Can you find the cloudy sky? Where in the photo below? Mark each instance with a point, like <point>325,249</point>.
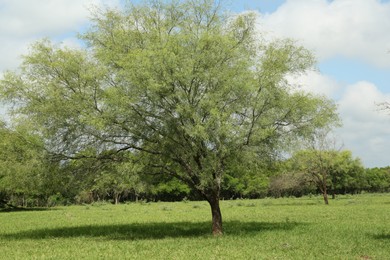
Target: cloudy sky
<point>351,39</point>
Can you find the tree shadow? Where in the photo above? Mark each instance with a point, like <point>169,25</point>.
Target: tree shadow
<point>309,203</point>
<point>384,236</point>
<point>18,209</point>
<point>141,231</point>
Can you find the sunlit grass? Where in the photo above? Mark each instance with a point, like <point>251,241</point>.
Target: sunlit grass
<point>351,227</point>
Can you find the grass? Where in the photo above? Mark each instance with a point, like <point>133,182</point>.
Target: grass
<point>351,227</point>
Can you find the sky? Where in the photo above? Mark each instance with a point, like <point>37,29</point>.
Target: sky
<point>350,38</point>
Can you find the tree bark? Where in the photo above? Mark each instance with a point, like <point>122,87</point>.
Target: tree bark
<point>216,216</point>
<point>325,195</point>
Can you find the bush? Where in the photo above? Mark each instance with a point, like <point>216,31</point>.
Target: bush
<point>84,197</point>
<point>290,184</point>
<point>57,200</point>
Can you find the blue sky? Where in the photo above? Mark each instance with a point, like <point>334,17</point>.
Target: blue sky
<point>350,39</point>
<point>264,6</point>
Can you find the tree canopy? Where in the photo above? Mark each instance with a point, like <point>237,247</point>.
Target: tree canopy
<point>190,89</point>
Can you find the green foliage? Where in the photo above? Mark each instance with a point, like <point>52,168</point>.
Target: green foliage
<point>118,180</point>
<point>23,166</point>
<point>378,179</point>
<point>109,178</point>
<point>331,170</point>
<point>171,190</point>
<point>246,180</point>
<point>348,174</point>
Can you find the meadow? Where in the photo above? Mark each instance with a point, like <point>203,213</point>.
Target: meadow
<point>351,227</point>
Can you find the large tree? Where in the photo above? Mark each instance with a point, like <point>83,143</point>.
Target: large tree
<point>185,85</point>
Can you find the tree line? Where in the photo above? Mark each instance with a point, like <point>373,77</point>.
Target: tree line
<point>29,176</point>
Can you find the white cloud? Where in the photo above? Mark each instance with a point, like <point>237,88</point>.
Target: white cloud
<point>10,51</point>
<point>365,129</point>
<point>28,18</point>
<point>354,29</point>
<point>351,28</point>
<point>71,43</point>
<point>24,21</point>
<point>315,82</point>
<point>360,102</point>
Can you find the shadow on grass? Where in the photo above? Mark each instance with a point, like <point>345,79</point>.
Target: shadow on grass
<point>385,236</point>
<point>18,209</point>
<point>140,231</point>
<point>303,203</point>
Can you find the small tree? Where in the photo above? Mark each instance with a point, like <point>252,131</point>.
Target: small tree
<point>318,160</point>
<point>318,164</point>
<point>179,81</point>
<point>330,169</point>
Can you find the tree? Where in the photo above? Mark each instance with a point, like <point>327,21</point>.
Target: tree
<point>118,180</point>
<point>329,168</point>
<point>318,160</point>
<point>347,175</point>
<point>22,163</point>
<point>187,86</point>
<point>319,164</point>
<point>378,179</point>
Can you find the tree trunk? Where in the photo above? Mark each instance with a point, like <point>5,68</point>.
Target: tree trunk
<point>216,216</point>
<point>117,197</point>
<point>325,194</point>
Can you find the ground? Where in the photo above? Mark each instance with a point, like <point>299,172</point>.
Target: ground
<point>351,227</point>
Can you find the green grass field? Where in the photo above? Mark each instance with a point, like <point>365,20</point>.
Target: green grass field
<point>351,227</point>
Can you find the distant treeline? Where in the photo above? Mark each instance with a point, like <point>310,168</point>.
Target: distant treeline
<point>78,185</point>
<point>30,176</point>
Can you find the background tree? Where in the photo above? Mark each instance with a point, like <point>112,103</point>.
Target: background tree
<point>23,164</point>
<point>378,179</point>
<point>118,180</point>
<point>318,160</point>
<point>347,174</point>
<point>247,176</point>
<point>331,170</point>
<point>318,164</point>
<point>178,81</point>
